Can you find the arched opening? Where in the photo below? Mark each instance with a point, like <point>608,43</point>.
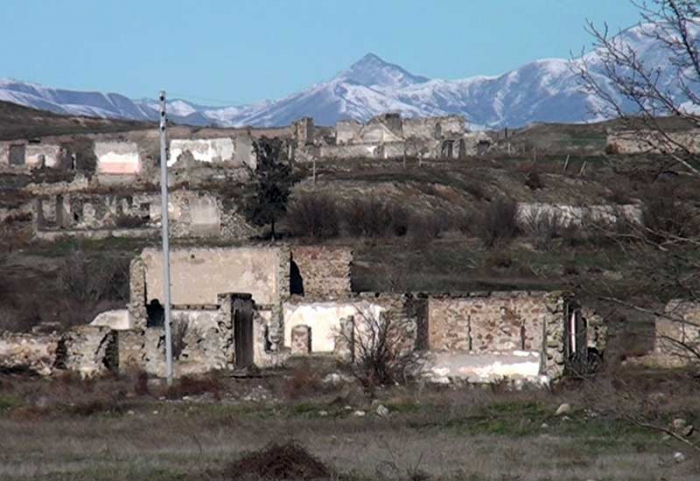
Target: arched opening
<point>156,314</point>
<point>296,282</point>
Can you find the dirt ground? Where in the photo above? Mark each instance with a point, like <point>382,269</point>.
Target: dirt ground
<point>129,428</point>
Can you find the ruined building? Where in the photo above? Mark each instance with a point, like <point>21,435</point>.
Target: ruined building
<point>259,305</point>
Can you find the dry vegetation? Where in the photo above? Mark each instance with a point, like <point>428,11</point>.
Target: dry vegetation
<point>129,428</point>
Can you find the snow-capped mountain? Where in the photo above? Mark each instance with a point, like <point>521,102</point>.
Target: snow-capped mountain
<point>546,90</point>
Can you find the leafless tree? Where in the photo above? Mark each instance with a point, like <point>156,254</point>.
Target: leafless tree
<point>652,102</point>
<point>382,349</point>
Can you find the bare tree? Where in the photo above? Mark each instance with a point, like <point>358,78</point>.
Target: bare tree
<point>638,93</point>
<point>653,103</point>
<point>382,349</point>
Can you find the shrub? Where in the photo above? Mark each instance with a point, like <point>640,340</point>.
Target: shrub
<point>369,218</point>
<point>534,181</point>
<point>314,215</point>
<point>544,226</point>
<point>498,222</point>
<point>498,259</point>
<point>303,381</point>
<point>380,353</point>
<point>665,217</point>
<point>125,221</point>
<point>399,220</point>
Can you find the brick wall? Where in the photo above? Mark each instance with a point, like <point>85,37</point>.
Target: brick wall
<point>325,271</point>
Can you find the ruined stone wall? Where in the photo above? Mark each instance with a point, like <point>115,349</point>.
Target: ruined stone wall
<point>501,322</point>
<point>347,131</point>
<point>191,214</point>
<point>433,128</point>
<point>678,334</point>
<point>491,322</point>
<point>32,352</point>
<point>121,158</point>
<point>636,142</point>
<point>203,150</point>
<point>198,275</point>
<point>326,320</point>
<point>529,213</point>
<point>325,270</point>
<point>21,154</point>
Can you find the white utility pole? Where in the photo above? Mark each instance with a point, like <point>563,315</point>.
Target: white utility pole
<point>166,246</point>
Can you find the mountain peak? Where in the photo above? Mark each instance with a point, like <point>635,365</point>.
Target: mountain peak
<point>372,71</point>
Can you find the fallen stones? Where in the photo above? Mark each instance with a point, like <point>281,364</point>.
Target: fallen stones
<point>564,408</point>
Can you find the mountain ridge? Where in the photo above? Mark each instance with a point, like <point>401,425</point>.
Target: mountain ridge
<point>544,90</point>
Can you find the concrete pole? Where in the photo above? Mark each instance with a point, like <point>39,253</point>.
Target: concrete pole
<point>166,246</point>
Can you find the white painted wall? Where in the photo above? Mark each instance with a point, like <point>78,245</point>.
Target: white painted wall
<point>117,319</point>
<point>203,150</point>
<point>117,158</point>
<point>324,320</point>
<point>485,368</point>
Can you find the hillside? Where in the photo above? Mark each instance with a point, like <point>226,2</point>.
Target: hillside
<point>17,121</point>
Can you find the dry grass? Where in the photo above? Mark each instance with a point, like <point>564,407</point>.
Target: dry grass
<point>452,434</point>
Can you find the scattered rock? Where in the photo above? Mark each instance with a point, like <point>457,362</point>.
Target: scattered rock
<point>348,408</point>
<point>665,437</point>
<point>130,413</point>
<point>679,423</point>
<point>688,431</point>
<point>544,425</point>
<point>563,409</point>
<point>155,412</point>
<point>678,457</point>
<point>323,413</point>
<point>382,411</point>
<point>359,413</point>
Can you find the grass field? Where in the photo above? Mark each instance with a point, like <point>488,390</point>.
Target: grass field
<point>112,429</point>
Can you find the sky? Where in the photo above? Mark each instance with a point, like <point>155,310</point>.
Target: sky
<point>228,52</point>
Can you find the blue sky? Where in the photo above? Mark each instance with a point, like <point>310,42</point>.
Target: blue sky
<point>239,51</point>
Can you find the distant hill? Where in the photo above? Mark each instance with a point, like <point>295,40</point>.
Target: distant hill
<point>17,122</point>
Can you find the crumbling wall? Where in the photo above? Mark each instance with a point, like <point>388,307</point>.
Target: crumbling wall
<point>347,131</point>
<point>639,142</point>
<point>89,350</point>
<point>324,320</point>
<point>203,150</point>
<point>245,153</point>
<point>678,334</point>
<point>324,270</point>
<point>578,215</point>
<point>29,155</point>
<point>121,158</point>
<point>191,214</point>
<point>200,274</point>
<point>28,352</point>
<point>304,131</point>
<point>495,322</point>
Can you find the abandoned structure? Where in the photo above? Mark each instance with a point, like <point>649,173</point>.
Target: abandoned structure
<point>262,304</point>
<point>388,136</point>
<point>649,142</point>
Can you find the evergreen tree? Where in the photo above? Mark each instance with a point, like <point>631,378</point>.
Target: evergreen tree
<point>273,183</point>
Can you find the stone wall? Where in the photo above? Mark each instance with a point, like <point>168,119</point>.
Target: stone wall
<point>500,322</point>
<point>529,213</point>
<point>495,322</point>
<point>28,352</point>
<point>638,142</point>
<point>122,158</point>
<point>191,214</point>
<point>22,154</point>
<point>199,275</point>
<point>203,150</point>
<point>324,271</point>
<point>678,334</point>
